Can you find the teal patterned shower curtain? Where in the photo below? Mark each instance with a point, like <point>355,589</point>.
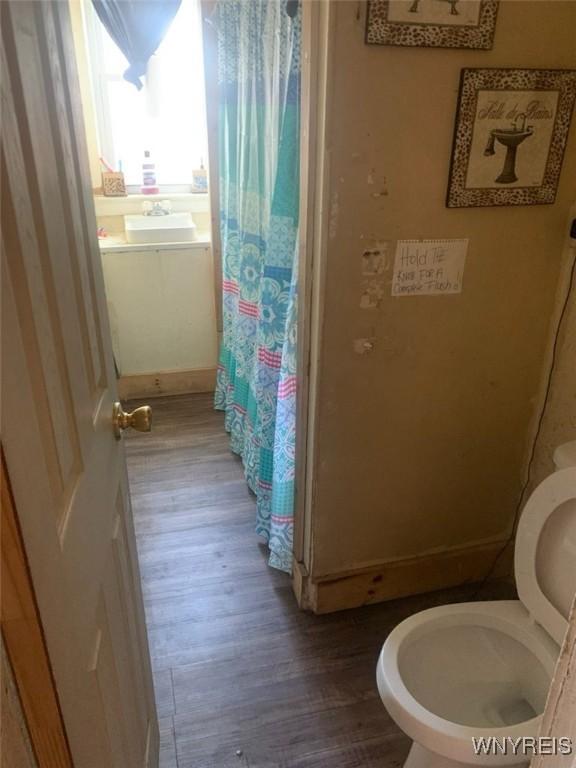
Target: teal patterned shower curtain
<point>259,123</point>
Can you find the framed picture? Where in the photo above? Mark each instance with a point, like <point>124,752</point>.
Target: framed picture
<point>432,23</point>
<point>509,137</point>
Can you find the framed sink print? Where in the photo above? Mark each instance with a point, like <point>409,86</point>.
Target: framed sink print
<point>432,23</point>
<point>510,134</point>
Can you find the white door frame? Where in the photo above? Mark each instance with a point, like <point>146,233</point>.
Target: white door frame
<point>317,33</point>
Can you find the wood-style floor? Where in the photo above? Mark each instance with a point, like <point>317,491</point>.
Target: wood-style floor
<point>244,679</point>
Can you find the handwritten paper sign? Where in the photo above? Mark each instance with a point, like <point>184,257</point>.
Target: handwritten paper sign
<point>428,267</point>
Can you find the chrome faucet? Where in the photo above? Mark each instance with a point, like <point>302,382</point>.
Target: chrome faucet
<point>156,208</point>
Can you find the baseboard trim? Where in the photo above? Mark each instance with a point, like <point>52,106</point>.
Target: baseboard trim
<point>300,581</point>
<point>416,575</point>
<point>167,383</point>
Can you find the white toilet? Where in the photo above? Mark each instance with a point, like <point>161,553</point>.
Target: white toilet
<point>483,669</point>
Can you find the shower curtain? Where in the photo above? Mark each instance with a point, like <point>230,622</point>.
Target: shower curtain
<point>259,121</point>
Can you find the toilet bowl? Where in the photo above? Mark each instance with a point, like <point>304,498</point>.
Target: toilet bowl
<point>481,671</point>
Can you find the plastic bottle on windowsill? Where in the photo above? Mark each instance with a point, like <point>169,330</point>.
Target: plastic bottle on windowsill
<point>200,178</point>
<point>149,186</point>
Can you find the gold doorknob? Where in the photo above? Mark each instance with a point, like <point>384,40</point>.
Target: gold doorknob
<point>139,418</point>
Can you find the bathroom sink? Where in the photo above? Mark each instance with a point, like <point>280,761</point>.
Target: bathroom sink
<point>172,228</point>
<point>511,137</point>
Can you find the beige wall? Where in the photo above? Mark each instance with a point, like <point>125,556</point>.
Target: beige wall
<point>559,421</point>
<point>422,443</point>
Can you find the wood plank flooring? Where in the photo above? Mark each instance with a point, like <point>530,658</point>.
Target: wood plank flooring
<point>244,679</point>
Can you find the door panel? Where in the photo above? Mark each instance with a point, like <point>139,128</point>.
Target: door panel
<point>67,469</point>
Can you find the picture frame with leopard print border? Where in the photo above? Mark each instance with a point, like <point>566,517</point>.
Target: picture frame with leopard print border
<point>432,23</point>
<point>510,133</point>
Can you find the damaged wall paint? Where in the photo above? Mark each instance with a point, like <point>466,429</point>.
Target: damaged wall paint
<point>375,262</point>
<point>424,438</point>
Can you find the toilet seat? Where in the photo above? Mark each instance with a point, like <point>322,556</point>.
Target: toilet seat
<point>456,672</point>
<point>545,560</point>
<point>454,740</point>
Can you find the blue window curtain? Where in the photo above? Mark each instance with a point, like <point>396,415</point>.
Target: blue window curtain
<point>259,125</point>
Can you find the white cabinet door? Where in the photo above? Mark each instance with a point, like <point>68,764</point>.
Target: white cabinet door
<point>162,309</point>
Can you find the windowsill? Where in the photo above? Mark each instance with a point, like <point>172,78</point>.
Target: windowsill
<point>195,202</point>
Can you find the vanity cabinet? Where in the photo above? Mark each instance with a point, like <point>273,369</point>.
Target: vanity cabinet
<point>162,309</point>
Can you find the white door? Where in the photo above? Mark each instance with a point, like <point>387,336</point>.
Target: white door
<point>66,466</point>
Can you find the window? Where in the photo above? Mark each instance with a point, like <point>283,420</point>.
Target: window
<point>167,116</point>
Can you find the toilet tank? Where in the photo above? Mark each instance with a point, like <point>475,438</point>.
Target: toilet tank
<point>565,455</point>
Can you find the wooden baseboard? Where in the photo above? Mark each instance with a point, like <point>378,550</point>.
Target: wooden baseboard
<point>388,581</point>
<point>167,383</point>
<point>300,581</point>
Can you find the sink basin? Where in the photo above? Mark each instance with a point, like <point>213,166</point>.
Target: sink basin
<point>511,137</point>
<point>172,228</point>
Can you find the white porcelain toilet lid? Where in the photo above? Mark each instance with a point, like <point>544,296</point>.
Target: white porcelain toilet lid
<point>545,557</point>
